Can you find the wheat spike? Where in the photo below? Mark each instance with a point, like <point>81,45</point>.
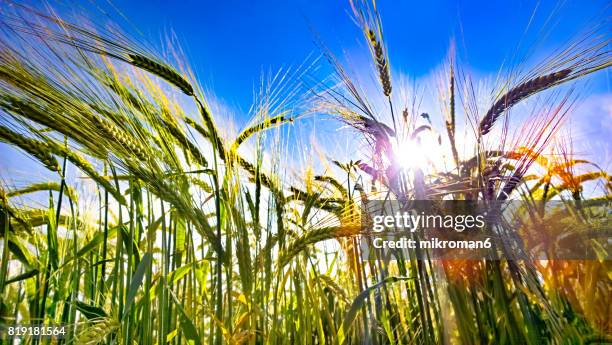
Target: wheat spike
<point>314,236</point>
<point>86,168</point>
<point>176,132</point>
<point>163,72</point>
<point>519,93</point>
<point>451,121</point>
<point>169,194</point>
<point>42,186</point>
<point>120,137</point>
<point>267,123</point>
<point>381,63</point>
<point>35,148</point>
<point>97,332</point>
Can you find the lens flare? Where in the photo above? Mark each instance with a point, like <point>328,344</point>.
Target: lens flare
<point>410,155</point>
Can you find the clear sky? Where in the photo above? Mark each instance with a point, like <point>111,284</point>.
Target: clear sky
<point>229,42</point>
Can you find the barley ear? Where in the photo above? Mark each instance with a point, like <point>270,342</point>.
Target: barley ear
<point>97,331</point>
<point>37,149</point>
<point>162,71</point>
<point>519,93</point>
<point>120,137</point>
<point>83,165</point>
<point>265,124</point>
<point>451,121</point>
<point>314,236</point>
<point>381,62</point>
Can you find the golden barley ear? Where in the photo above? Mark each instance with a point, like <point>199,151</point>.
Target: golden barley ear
<point>519,93</point>
<point>37,149</point>
<point>182,139</point>
<point>381,63</point>
<point>451,121</point>
<point>96,331</point>
<point>82,164</point>
<point>163,72</point>
<point>265,124</point>
<point>43,186</point>
<point>121,137</point>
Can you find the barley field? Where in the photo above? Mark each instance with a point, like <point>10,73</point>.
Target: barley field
<point>153,218</point>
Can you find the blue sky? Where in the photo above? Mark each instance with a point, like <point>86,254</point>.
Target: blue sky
<point>229,42</point>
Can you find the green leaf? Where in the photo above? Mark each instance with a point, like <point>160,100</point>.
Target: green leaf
<point>52,224</point>
<point>136,282</point>
<point>179,273</point>
<point>20,277</point>
<point>5,252</point>
<point>20,251</point>
<point>358,303</point>
<point>181,235</point>
<point>95,242</point>
<point>187,327</point>
<point>91,245</point>
<point>129,241</point>
<point>90,311</point>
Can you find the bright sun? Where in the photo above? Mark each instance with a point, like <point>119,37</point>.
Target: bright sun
<point>410,155</point>
<point>424,153</point>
